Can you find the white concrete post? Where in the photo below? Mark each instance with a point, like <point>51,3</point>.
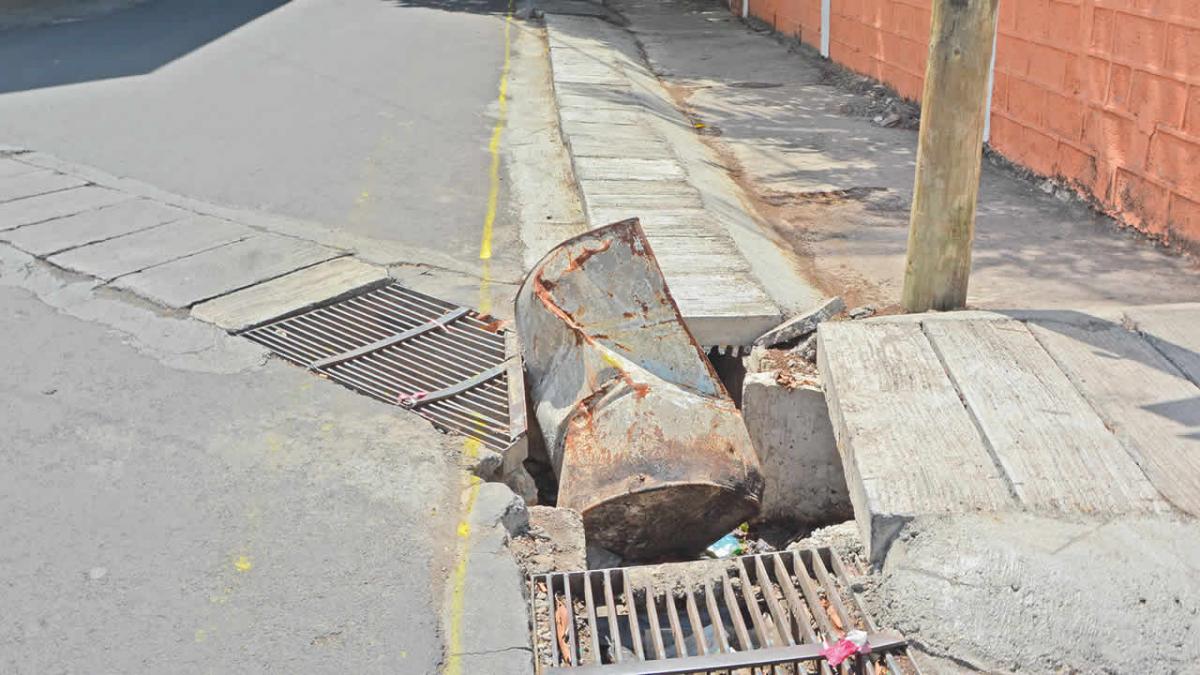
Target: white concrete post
<point>825,28</point>
<point>745,8</point>
<point>987,120</point>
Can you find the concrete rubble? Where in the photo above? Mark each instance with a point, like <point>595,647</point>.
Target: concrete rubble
<point>553,541</point>
<point>802,325</point>
<point>790,430</point>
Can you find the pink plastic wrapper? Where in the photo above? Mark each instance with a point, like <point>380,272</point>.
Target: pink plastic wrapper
<point>855,642</point>
<point>407,400</point>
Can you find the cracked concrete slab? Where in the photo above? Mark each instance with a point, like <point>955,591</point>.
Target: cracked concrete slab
<point>81,229</point>
<point>56,205</point>
<point>224,269</point>
<point>289,294</point>
<point>37,183</point>
<point>141,250</point>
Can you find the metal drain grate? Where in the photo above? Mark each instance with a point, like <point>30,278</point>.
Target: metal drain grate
<point>445,362</point>
<point>765,613</point>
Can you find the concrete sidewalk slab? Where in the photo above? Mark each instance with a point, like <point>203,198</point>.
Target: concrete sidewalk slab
<point>909,448</point>
<point>837,187</point>
<point>224,269</point>
<point>37,183</point>
<point>134,252</point>
<point>11,167</point>
<point>90,227</point>
<point>289,294</point>
<point>40,208</point>
<point>1069,414</point>
<point>626,130</point>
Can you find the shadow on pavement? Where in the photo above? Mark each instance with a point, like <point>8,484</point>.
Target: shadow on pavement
<point>129,42</point>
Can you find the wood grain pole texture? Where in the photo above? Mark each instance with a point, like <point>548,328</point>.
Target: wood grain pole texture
<point>949,151</point>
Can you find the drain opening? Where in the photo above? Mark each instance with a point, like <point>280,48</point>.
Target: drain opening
<point>766,613</point>
<point>447,363</point>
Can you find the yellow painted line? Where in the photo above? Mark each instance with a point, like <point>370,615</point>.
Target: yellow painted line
<point>458,577</point>
<point>485,247</point>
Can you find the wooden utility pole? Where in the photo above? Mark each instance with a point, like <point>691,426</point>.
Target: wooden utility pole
<point>953,112</point>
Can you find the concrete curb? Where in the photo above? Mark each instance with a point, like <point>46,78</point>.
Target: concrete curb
<point>486,608</point>
<point>376,251</point>
<point>625,167</point>
<point>636,153</point>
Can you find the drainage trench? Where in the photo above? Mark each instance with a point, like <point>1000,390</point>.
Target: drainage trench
<point>680,569</point>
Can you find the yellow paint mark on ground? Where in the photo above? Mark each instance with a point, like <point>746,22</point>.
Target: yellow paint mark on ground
<point>201,635</point>
<point>327,427</point>
<point>458,584</point>
<point>242,564</point>
<point>458,577</point>
<point>489,220</point>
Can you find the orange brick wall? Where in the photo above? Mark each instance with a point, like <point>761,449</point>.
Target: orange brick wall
<point>1102,93</point>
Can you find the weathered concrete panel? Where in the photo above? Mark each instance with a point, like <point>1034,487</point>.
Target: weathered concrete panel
<point>1056,452</point>
<point>1151,406</point>
<point>289,294</point>
<point>38,183</point>
<point>93,226</point>
<point>794,440</point>
<point>908,446</point>
<point>155,246</point>
<point>56,205</point>
<point>225,269</point>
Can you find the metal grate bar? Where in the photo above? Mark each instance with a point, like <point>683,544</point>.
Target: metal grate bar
<point>463,386</point>
<point>660,622</point>
<point>447,363</point>
<point>388,341</point>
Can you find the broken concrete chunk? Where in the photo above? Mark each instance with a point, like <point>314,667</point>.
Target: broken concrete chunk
<point>752,362</point>
<point>496,504</point>
<point>807,348</point>
<point>554,541</point>
<point>794,440</point>
<point>802,325</point>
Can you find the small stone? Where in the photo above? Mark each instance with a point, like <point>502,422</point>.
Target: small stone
<point>50,392</point>
<point>891,120</point>
<point>752,362</point>
<point>1063,195</point>
<point>1047,186</point>
<point>862,312</point>
<point>807,349</point>
<point>97,573</point>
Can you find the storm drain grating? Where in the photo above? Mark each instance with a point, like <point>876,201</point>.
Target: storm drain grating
<point>765,613</point>
<point>446,362</point>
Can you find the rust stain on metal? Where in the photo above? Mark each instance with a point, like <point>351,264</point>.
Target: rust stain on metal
<point>645,440</point>
<point>578,261</point>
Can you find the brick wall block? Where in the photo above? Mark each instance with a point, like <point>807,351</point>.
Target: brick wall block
<point>1175,160</point>
<point>1139,40</point>
<point>1142,202</point>
<point>1183,220</point>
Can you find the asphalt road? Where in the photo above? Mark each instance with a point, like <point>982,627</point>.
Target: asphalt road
<point>160,518</point>
<point>178,507</point>
<point>372,115</point>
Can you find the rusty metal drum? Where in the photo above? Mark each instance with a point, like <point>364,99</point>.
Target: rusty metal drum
<point>645,441</point>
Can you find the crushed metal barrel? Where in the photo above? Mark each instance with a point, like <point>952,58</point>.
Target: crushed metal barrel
<point>642,435</point>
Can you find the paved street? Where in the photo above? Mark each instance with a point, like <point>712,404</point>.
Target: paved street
<point>178,502</point>
<point>368,114</point>
<point>174,506</point>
